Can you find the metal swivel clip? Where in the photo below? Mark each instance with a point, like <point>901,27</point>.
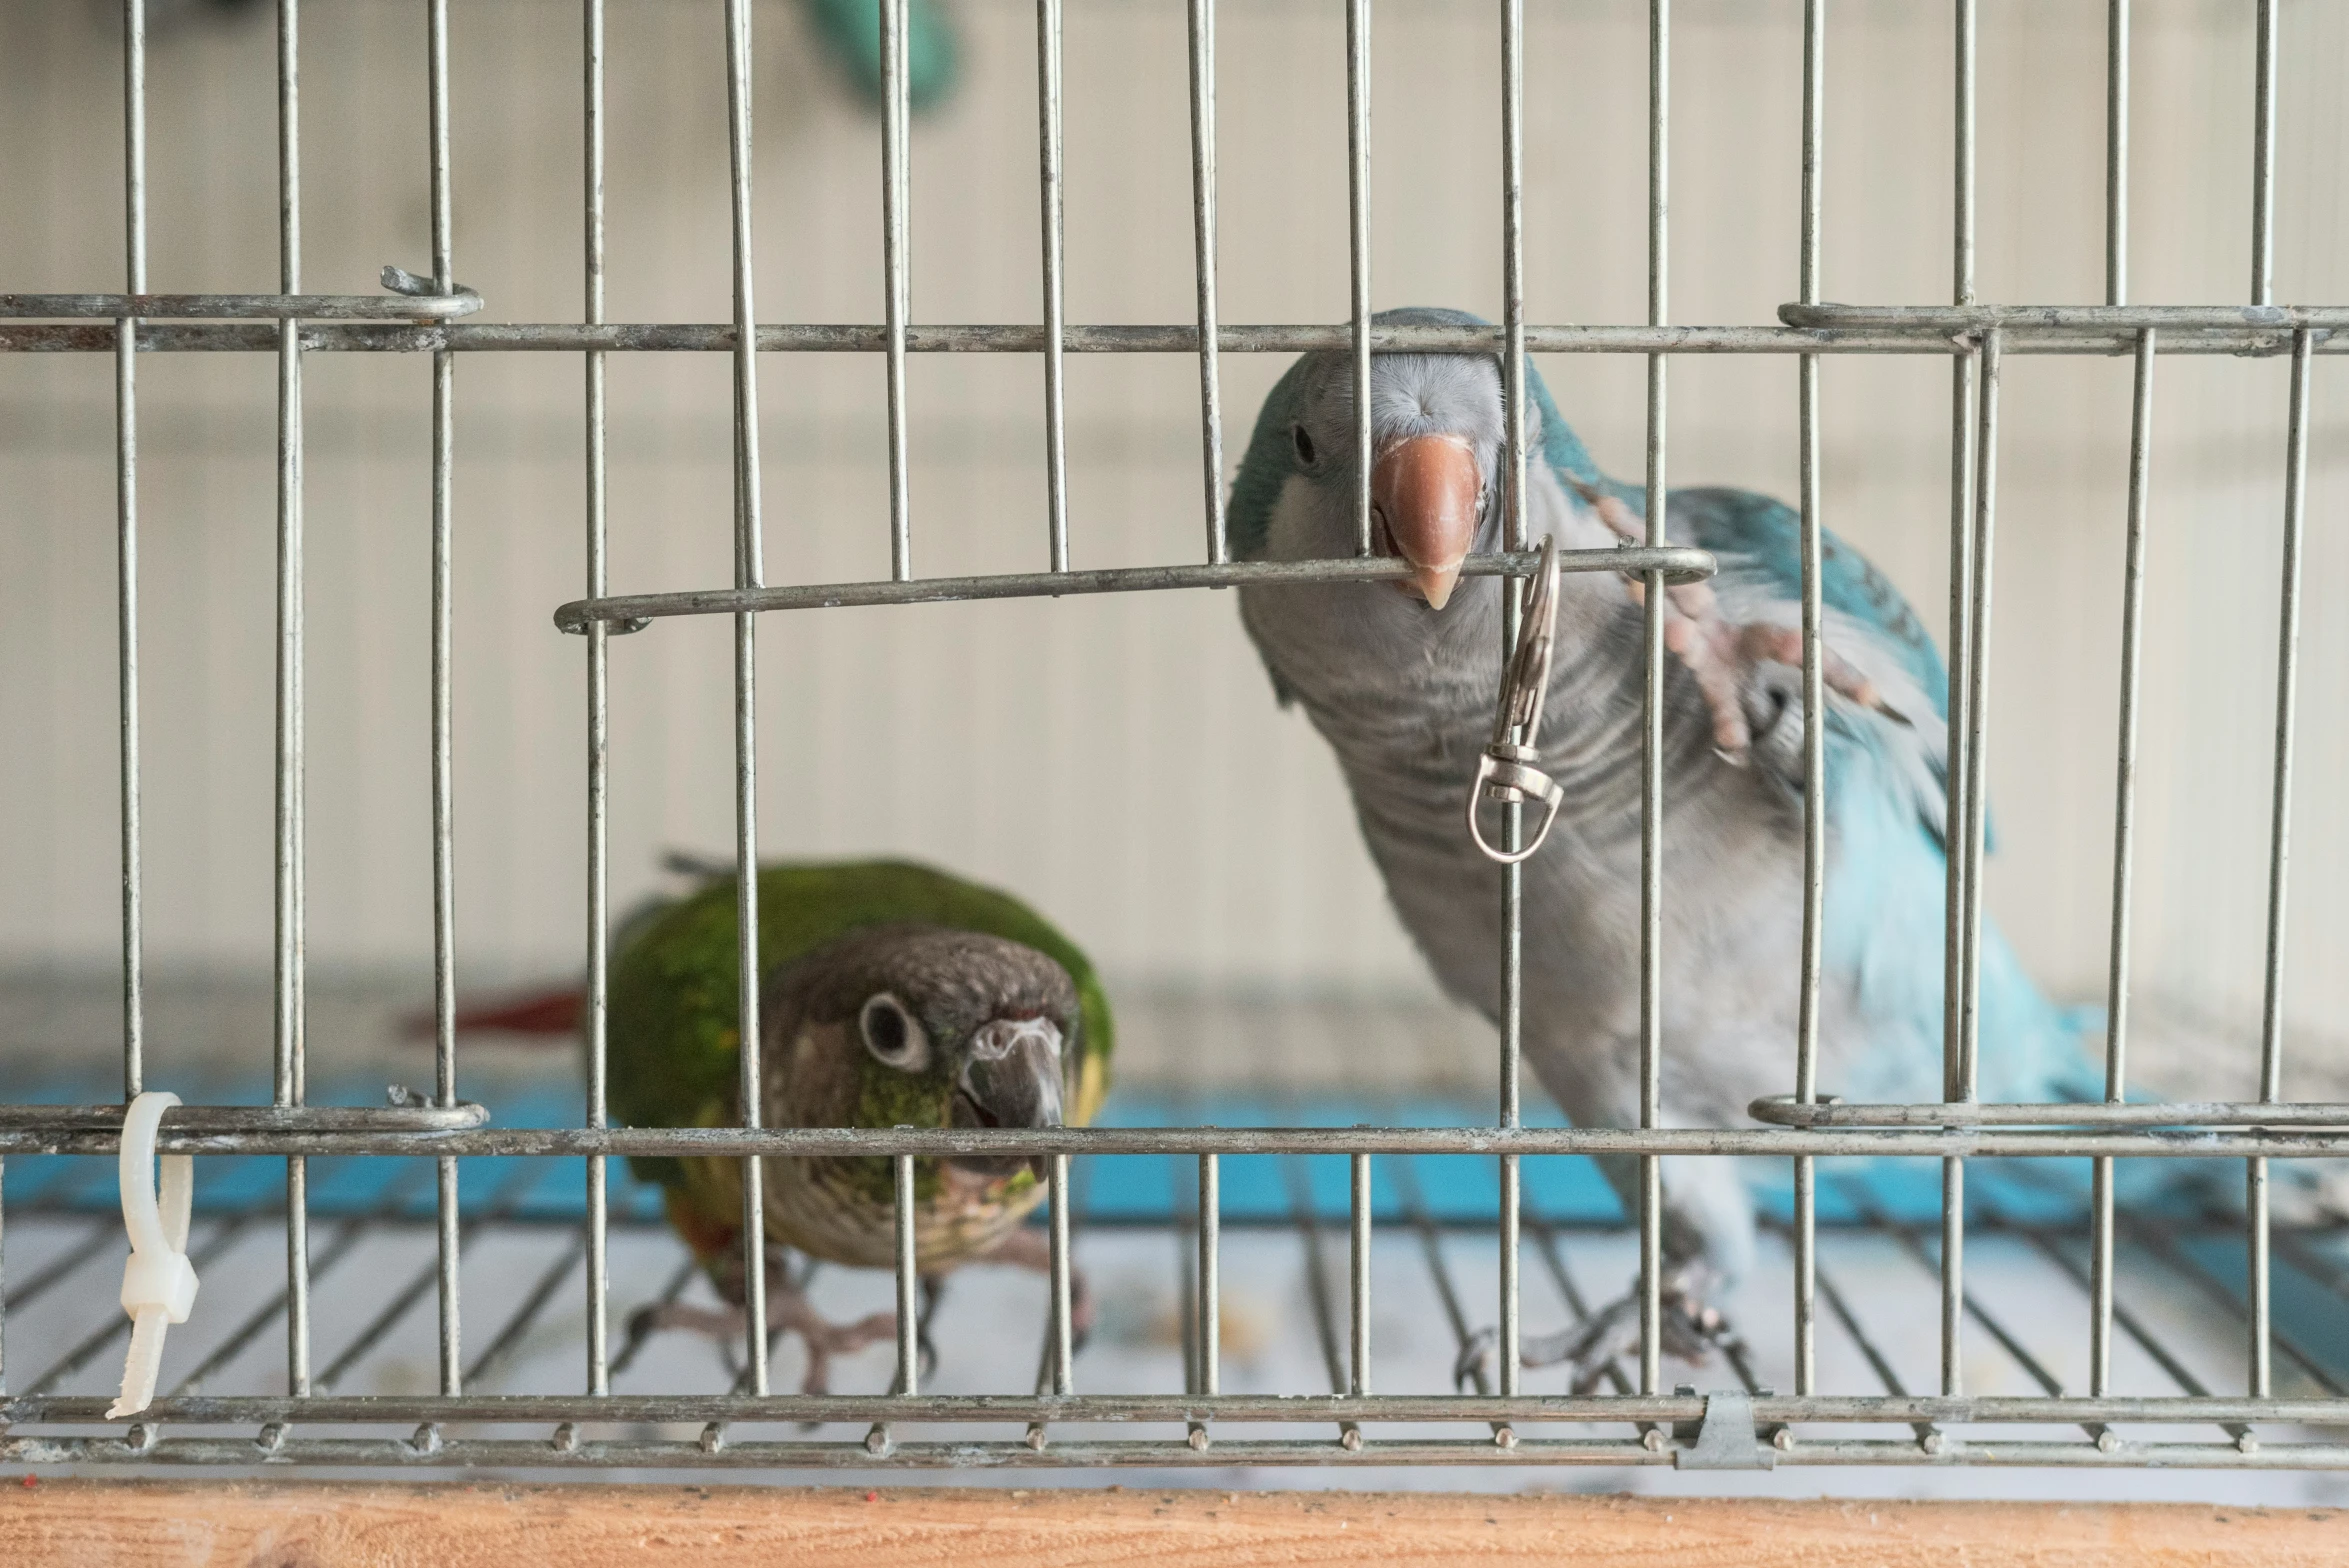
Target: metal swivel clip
<point>1510,772</point>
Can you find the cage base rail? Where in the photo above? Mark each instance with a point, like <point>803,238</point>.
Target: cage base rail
<point>1767,1409</point>
<point>437,1450</point>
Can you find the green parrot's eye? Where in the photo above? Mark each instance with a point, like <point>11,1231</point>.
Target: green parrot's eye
<point>893,1035</point>
<point>1304,440</point>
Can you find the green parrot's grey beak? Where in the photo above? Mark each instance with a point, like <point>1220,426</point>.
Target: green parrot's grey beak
<point>1010,1078</point>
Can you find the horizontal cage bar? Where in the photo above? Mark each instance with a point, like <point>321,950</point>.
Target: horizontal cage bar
<point>250,1118</point>
<point>2067,318</point>
<point>281,307</point>
<point>1784,1111</point>
<point>740,1142</point>
<point>1177,338</point>
<point>1678,565</point>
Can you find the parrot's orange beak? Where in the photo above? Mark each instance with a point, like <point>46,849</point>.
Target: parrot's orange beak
<point>1423,499</point>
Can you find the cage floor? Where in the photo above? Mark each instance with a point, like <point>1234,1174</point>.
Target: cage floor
<point>1434,1278</point>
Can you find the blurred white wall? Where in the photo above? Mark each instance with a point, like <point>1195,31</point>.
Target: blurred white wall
<point>1119,759</point>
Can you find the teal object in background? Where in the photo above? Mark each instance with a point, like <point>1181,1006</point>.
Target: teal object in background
<point>850,31</point>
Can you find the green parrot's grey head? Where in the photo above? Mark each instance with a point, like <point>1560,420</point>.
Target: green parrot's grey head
<point>919,1025</point>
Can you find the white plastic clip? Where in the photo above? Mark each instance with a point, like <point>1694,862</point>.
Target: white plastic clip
<point>158,1282</point>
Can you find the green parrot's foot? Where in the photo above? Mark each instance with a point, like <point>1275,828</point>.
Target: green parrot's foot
<point>788,1310</point>
<point>1027,1248</point>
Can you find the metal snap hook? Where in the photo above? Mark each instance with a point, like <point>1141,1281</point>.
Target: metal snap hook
<point>1509,771</point>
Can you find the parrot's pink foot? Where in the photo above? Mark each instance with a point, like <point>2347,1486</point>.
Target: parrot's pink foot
<point>788,1309</point>
<point>1723,654</point>
<point>1028,1248</point>
<point>1690,1332</point>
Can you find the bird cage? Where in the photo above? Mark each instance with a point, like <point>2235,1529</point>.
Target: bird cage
<point>1491,1226</point>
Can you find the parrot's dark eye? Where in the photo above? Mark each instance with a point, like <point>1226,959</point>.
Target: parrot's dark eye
<point>1304,440</point>
<point>893,1035</point>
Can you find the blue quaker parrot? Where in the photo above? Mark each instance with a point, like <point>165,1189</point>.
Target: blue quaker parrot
<point>1401,680</point>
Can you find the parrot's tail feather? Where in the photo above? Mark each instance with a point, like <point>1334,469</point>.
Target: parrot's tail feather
<point>685,863</point>
<point>2080,1077</point>
<point>2084,1018</point>
<point>540,1013</point>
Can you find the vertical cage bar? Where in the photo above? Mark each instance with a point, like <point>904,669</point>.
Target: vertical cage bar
<point>1219,549</point>
<point>2271,1022</point>
<point>1806,1071</point>
<point>1965,374</point>
<point>2116,1040</point>
<point>1358,1205</point>
<point>1651,889</point>
<point>2263,159</point>
<point>1210,1314</point>
<point>1953,1198</point>
<point>2116,155</point>
<point>1358,250</point>
<point>444,887</point>
<point>290,933</point>
<point>748,569</point>
<point>1064,1379</point>
<point>909,1323</point>
<point>893,266</point>
<point>126,501</point>
<point>1515,531</point>
<point>595,1019</point>
<point>1048,180</point>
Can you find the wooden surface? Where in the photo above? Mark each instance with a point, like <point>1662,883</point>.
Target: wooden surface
<point>292,1524</point>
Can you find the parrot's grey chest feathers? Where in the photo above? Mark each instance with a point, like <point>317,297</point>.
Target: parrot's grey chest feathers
<point>1405,698</point>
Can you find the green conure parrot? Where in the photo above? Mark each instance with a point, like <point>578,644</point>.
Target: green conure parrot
<point>892,995</point>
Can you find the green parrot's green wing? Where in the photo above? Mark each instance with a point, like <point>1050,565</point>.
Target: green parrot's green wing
<point>673,1045</point>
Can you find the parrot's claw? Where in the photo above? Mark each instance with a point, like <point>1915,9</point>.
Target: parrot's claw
<point>926,1352</point>
<point>1690,1331</point>
<point>1474,1365</point>
<point>1723,654</point>
<point>787,1309</point>
<point>824,1340</point>
<point>1026,1248</point>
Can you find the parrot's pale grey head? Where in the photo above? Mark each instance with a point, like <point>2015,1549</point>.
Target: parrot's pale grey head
<point>1438,432</point>
<point>924,1026</point>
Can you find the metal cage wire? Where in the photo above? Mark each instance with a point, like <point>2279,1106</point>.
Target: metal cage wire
<point>424,315</point>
